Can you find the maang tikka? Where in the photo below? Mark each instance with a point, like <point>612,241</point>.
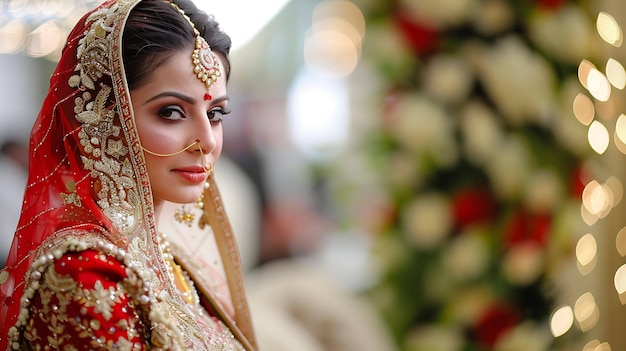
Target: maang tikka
<point>206,68</point>
<point>206,65</point>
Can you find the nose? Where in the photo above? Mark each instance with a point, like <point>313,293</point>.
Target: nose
<point>206,142</point>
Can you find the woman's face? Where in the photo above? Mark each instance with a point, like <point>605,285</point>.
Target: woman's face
<point>171,113</point>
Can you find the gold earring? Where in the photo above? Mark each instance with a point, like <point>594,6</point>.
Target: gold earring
<point>187,217</point>
<point>200,202</point>
<point>204,220</point>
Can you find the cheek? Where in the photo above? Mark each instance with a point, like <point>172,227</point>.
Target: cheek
<point>155,169</point>
<point>155,138</point>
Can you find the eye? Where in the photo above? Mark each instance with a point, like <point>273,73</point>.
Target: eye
<point>217,114</point>
<point>172,113</point>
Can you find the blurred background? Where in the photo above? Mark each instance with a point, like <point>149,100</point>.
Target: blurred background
<point>402,174</point>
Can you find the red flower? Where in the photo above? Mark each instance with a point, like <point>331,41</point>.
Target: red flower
<point>494,323</point>
<point>422,38</point>
<point>528,227</point>
<point>550,5</point>
<point>578,183</point>
<point>471,206</point>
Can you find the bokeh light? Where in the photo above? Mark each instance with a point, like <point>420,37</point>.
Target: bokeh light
<point>620,242</point>
<point>583,72</point>
<point>615,73</point>
<point>586,312</point>
<point>561,321</point>
<point>583,109</point>
<point>586,253</point>
<point>332,46</point>
<point>598,85</point>
<point>620,283</point>
<point>609,29</point>
<point>598,137</point>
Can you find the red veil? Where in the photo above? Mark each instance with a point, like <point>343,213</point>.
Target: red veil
<point>88,185</point>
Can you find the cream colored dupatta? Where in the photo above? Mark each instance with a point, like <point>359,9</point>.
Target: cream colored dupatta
<point>210,255</point>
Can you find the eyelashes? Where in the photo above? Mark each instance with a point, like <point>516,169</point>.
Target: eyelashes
<point>218,114</point>
<point>177,113</point>
<point>172,113</point>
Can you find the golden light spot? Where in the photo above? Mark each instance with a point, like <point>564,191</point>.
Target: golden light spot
<point>620,283</point>
<point>561,321</point>
<point>615,73</point>
<point>586,253</point>
<point>583,109</point>
<point>331,54</point>
<point>595,345</point>
<point>13,37</point>
<point>332,47</point>
<point>45,40</point>
<point>620,242</point>
<point>591,345</point>
<point>589,218</point>
<point>617,190</point>
<point>619,144</point>
<point>598,137</point>
<point>598,85</point>
<point>620,128</point>
<point>594,197</point>
<point>586,312</point>
<point>609,29</point>
<point>583,72</point>
<point>341,9</point>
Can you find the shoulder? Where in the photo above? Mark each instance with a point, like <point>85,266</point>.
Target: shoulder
<point>89,266</point>
<point>85,298</point>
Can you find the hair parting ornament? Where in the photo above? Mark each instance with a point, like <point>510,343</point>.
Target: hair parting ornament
<point>205,62</point>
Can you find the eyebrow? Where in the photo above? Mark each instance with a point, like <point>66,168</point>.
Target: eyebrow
<point>184,97</point>
<point>180,96</point>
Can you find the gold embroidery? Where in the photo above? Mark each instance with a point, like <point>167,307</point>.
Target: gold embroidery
<point>72,197</point>
<point>105,156</point>
<point>102,300</point>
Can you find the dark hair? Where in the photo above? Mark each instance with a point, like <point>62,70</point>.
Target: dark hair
<point>155,30</point>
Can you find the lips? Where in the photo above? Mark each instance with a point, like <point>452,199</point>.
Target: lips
<point>192,174</point>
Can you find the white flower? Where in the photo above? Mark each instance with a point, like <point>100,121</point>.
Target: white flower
<point>544,191</point>
<point>524,337</point>
<point>467,305</point>
<point>509,168</point>
<point>466,257</point>
<point>402,170</point>
<point>441,13</point>
<point>434,338</point>
<point>567,34</point>
<point>428,220</point>
<point>493,16</point>
<point>389,253</point>
<point>519,81</point>
<point>523,263</point>
<point>424,128</point>
<point>481,133</point>
<point>385,38</point>
<point>448,79</point>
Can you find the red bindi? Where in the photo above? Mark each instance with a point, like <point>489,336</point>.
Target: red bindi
<point>207,97</point>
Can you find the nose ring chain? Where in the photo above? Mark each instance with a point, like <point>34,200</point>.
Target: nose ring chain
<point>207,168</point>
